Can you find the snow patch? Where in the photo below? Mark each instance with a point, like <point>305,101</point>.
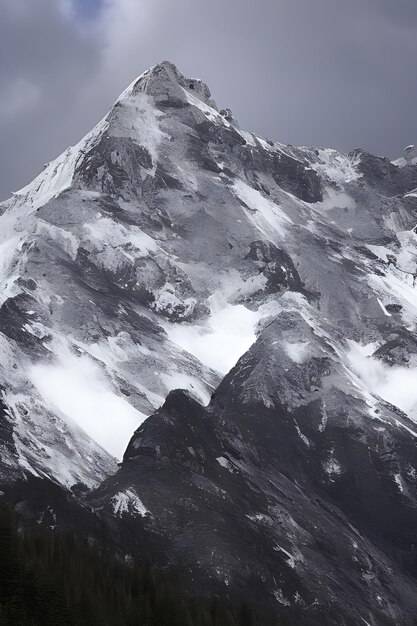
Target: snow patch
<point>380,251</point>
<point>332,467</point>
<point>250,138</point>
<point>340,168</point>
<point>62,452</point>
<point>128,503</point>
<point>279,597</point>
<point>292,559</point>
<point>383,308</point>
<point>407,257</point>
<point>221,460</point>
<point>303,438</point>
<point>166,301</point>
<point>260,517</point>
<point>209,112</point>
<point>397,287</point>
<point>228,333</point>
<point>399,482</point>
<point>106,232</point>
<point>63,238</point>
<point>264,214</point>
<point>137,118</point>
<point>8,250</point>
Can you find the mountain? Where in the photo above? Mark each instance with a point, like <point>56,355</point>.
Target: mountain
<point>238,317</point>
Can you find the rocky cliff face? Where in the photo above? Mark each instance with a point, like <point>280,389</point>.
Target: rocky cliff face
<point>167,248</point>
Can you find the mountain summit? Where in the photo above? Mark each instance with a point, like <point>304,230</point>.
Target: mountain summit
<point>234,320</point>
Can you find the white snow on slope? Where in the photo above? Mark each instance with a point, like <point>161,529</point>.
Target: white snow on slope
<point>137,118</point>
<point>78,389</point>
<point>105,232</point>
<point>62,451</point>
<point>382,252</point>
<point>292,559</point>
<point>407,257</point>
<point>64,239</point>
<point>397,287</point>
<point>221,460</point>
<point>208,111</point>
<point>264,214</point>
<point>409,157</point>
<point>58,175</point>
<point>383,308</point>
<point>8,250</point>
<point>16,224</point>
<point>338,167</point>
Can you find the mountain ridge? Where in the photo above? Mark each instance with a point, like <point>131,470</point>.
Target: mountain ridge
<point>276,285</point>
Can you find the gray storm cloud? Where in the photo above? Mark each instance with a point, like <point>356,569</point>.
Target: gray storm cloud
<point>322,72</point>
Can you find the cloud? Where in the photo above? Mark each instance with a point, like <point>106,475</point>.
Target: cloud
<point>397,385</point>
<point>78,389</point>
<point>19,96</point>
<point>402,13</point>
<point>44,64</point>
<point>228,333</point>
<point>14,8</point>
<point>80,10</point>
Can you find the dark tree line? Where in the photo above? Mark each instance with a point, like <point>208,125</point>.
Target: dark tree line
<point>52,578</point>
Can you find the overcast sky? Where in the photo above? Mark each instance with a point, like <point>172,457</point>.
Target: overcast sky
<point>339,73</point>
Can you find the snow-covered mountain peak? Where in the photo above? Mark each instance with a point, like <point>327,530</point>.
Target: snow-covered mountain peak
<point>147,255</point>
<point>164,79</point>
<point>169,248</point>
<point>135,114</point>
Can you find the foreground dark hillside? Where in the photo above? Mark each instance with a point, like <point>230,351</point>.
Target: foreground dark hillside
<point>50,577</point>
